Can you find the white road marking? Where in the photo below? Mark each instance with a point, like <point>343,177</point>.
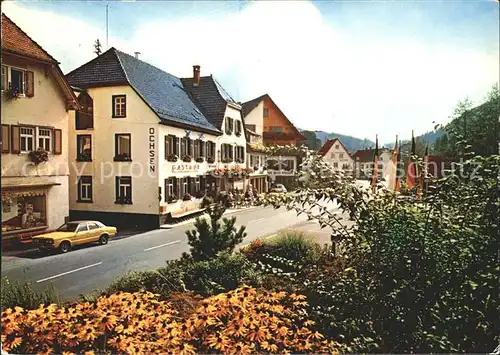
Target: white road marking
<point>162,245</point>
<point>256,220</point>
<point>69,272</point>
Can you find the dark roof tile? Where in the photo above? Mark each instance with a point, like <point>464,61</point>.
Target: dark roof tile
<point>163,92</point>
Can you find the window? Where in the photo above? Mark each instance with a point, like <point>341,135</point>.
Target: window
<point>171,146</point>
<point>171,192</point>
<point>341,155</point>
<point>85,189</point>
<point>251,127</point>
<point>336,146</point>
<point>119,106</point>
<point>197,184</point>
<point>123,190</point>
<point>276,129</point>
<point>4,77</point>
<point>45,138</point>
<point>93,225</point>
<point>82,227</point>
<point>27,139</point>
<point>184,186</point>
<point>240,154</point>
<point>122,147</point>
<point>22,211</point>
<point>84,119</point>
<point>84,147</point>
<point>227,153</point>
<point>210,146</point>
<point>332,155</point>
<point>229,125</point>
<point>238,128</point>
<point>266,112</point>
<point>335,165</point>
<point>201,149</point>
<point>17,80</point>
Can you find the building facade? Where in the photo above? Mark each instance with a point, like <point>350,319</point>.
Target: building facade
<point>142,148</point>
<point>266,119</point>
<point>36,100</point>
<point>363,162</point>
<point>335,153</point>
<point>224,113</point>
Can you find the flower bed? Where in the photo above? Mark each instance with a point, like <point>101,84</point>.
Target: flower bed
<point>242,321</point>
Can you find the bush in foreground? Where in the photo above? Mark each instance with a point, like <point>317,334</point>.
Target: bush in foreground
<point>242,321</point>
<point>22,294</point>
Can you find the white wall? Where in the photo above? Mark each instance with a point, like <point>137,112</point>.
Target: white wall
<point>333,156</point>
<point>255,117</point>
<point>140,122</point>
<point>232,138</point>
<point>165,168</point>
<point>46,108</point>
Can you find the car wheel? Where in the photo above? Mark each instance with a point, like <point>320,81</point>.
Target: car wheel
<point>104,239</point>
<point>64,247</point>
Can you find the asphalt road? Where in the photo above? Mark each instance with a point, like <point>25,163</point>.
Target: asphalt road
<point>94,267</point>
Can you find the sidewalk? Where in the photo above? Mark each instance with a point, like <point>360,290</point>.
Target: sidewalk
<point>228,211</point>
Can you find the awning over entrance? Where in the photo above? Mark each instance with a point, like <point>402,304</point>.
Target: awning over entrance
<point>22,188</point>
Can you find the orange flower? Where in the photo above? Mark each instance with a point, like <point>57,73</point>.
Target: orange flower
<point>186,349</point>
<point>272,348</point>
<point>218,342</point>
<point>11,341</point>
<point>240,348</point>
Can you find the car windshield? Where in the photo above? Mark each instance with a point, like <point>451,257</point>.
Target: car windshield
<point>68,227</point>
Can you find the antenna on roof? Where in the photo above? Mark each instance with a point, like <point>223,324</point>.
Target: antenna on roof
<point>107,46</point>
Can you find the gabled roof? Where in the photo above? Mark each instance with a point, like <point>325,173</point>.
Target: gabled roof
<point>250,105</point>
<point>211,98</point>
<point>329,144</point>
<point>366,155</point>
<point>16,41</point>
<point>161,91</point>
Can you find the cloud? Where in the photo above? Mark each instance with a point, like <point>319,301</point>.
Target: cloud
<point>322,76</point>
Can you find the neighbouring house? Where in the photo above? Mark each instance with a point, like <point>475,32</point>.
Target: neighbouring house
<point>335,153</point>
<point>223,112</point>
<point>36,100</point>
<point>256,161</point>
<point>267,120</point>
<point>142,148</point>
<point>363,162</point>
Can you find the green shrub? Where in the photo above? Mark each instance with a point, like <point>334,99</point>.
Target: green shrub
<point>294,245</point>
<point>206,202</point>
<point>211,236</point>
<point>22,294</point>
<point>224,272</point>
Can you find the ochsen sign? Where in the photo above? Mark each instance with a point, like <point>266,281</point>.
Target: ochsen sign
<point>151,150</point>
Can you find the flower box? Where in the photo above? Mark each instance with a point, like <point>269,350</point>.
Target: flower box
<point>172,158</point>
<point>186,158</point>
<point>210,160</point>
<point>122,157</point>
<point>38,156</point>
<point>200,160</point>
<point>123,201</point>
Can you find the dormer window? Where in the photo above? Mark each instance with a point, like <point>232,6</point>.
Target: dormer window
<point>19,81</point>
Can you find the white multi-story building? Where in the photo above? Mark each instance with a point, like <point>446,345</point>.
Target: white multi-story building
<point>144,151</point>
<point>335,153</point>
<point>224,113</point>
<point>35,102</point>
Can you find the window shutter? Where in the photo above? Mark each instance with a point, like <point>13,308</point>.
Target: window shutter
<point>196,152</point>
<point>124,106</point>
<point>202,149</point>
<point>15,139</point>
<point>57,141</point>
<point>166,147</point>
<point>183,146</point>
<point>5,138</point>
<point>30,84</point>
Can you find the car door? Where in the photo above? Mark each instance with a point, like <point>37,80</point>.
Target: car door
<point>94,232</point>
<point>82,234</point>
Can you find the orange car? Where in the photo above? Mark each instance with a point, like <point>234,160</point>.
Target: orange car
<point>74,233</point>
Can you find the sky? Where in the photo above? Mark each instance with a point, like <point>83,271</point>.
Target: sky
<point>359,68</point>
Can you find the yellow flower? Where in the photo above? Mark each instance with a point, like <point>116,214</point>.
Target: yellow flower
<point>218,342</point>
<point>11,341</point>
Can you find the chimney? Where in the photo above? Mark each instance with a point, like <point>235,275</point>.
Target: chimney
<point>137,55</point>
<point>196,75</point>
